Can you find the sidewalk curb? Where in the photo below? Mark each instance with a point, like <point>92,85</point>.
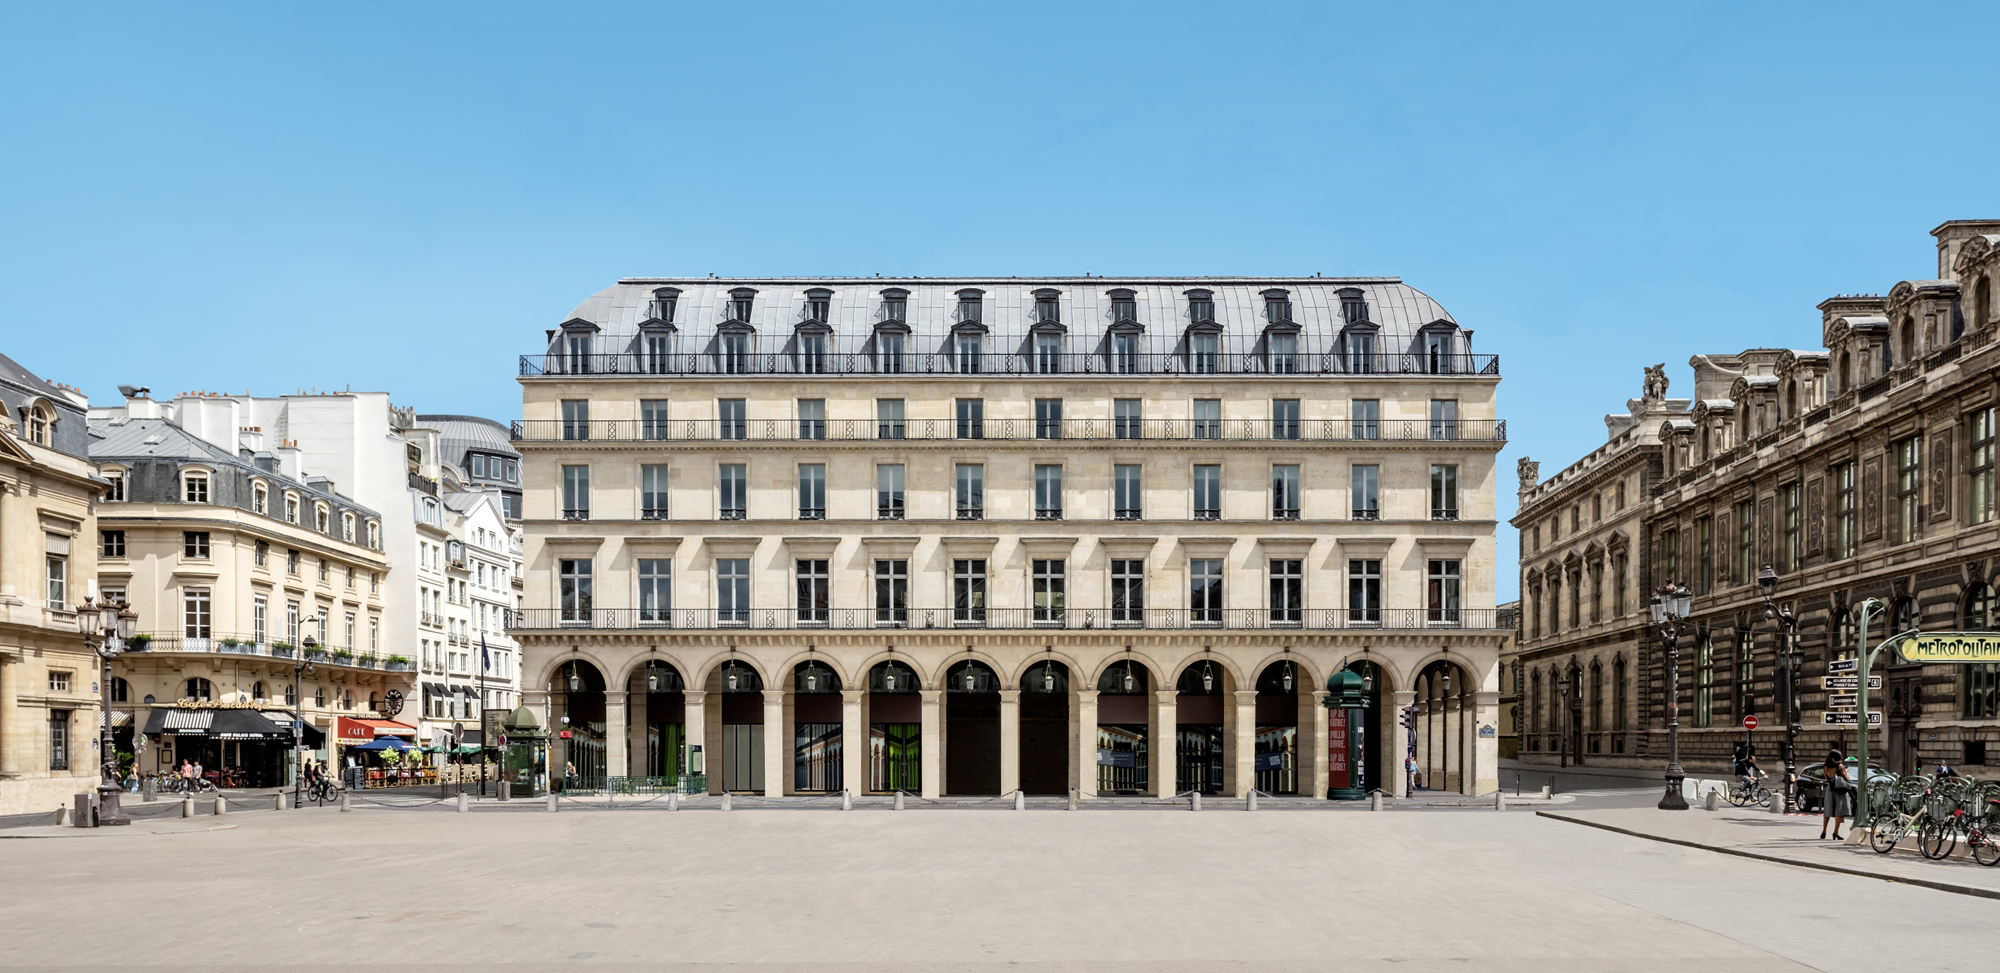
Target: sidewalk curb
<point>1740,853</point>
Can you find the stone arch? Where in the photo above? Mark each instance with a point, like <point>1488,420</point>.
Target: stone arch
<point>1309,678</point>
<point>1232,673</point>
<point>867,665</point>
<point>636,666</point>
<point>1013,679</point>
<point>545,678</point>
<point>935,678</point>
<point>714,664</point>
<point>1409,676</point>
<point>785,669</point>
<point>1153,671</point>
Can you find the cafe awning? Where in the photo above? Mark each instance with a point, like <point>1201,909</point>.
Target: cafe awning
<point>193,722</point>
<point>388,728</point>
<point>247,724</point>
<point>383,743</point>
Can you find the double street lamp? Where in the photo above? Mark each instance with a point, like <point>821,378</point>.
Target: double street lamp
<point>1788,680</point>
<point>1671,605</point>
<point>302,666</point>
<point>112,625</point>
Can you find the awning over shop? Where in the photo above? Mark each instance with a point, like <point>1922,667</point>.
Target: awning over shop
<point>383,743</point>
<point>352,731</point>
<point>120,717</point>
<point>193,722</point>
<point>247,724</point>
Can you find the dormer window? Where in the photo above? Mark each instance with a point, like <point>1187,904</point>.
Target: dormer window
<point>291,508</point>
<point>1205,352</point>
<point>966,345</point>
<point>574,353</point>
<point>347,528</point>
<point>374,535</point>
<point>735,352</point>
<point>1124,307</point>
<point>1125,353</point>
<point>194,487</point>
<point>1282,352</point>
<point>1438,351</point>
<point>1277,307</point>
<point>971,306</point>
<point>741,302</point>
<point>1353,305</point>
<point>41,424</point>
<point>665,301</point>
<point>1048,353</point>
<point>320,518</point>
<point>260,500</point>
<point>817,303</point>
<point>812,353</point>
<point>1201,307</point>
<point>116,491</point>
<point>895,305</point>
<point>1048,308</point>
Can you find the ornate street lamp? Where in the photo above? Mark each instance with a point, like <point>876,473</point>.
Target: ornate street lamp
<point>112,625</point>
<point>1671,605</point>
<point>300,668</point>
<point>1788,680</point>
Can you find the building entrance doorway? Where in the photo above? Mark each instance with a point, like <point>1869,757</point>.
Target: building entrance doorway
<point>743,729</point>
<point>972,729</point>
<point>1045,747</point>
<point>895,730</point>
<point>1124,713</point>
<point>1277,761</point>
<point>1198,764</point>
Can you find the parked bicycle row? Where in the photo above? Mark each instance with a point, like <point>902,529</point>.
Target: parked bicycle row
<point>1938,812</point>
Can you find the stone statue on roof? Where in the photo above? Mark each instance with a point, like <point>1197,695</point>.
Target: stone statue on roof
<point>1655,389</point>
<point>1529,471</point>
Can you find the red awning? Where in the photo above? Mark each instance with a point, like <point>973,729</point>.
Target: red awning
<point>352,730</point>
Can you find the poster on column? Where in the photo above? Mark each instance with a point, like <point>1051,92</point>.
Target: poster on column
<point>1338,767</point>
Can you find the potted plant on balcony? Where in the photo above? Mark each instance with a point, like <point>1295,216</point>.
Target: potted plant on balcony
<point>232,644</point>
<point>282,650</point>
<point>399,663</point>
<point>137,643</point>
<point>316,654</point>
<point>343,656</point>
<point>366,660</point>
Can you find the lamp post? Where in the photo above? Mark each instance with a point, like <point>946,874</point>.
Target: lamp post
<point>300,667</point>
<point>1671,605</point>
<point>112,625</point>
<point>1562,718</point>
<point>1788,680</point>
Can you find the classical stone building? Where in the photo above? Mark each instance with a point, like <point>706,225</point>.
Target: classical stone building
<point>974,536</point>
<point>50,710</point>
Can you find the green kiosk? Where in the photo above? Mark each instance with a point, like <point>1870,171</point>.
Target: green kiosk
<point>1346,697</point>
<point>524,754</point>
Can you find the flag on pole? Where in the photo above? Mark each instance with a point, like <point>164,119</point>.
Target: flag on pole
<point>485,661</point>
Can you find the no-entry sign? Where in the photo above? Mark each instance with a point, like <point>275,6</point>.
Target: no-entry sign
<point>1749,722</point>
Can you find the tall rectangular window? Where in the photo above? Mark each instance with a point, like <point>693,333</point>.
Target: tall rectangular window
<point>1126,415</point>
<point>1283,352</point>
<point>1444,418</point>
<point>576,419</point>
<point>1048,578</point>
<point>576,492</point>
<point>1287,591</point>
<point>1127,494</point>
<point>652,423</point>
<point>1746,677</point>
<point>733,495</point>
<point>735,354</point>
<point>653,492</point>
<point>1843,510</point>
<point>196,614</point>
<point>1909,487</point>
<point>1284,418</point>
<point>889,491</point>
<point>888,418</point>
<point>59,739</point>
<point>1444,493</point>
<point>573,576</point>
<point>1284,492</point>
<point>1617,585</point>
<point>1048,419</point>
<point>1208,418</point>
<point>1205,591</point>
<point>968,590</point>
<point>812,418</point>
<point>1208,492</point>
<point>971,419</point>
<point>1364,487</point>
<point>892,591</point>
<point>1365,419</point>
<point>1128,590</point>
<point>1048,492</point>
<point>1205,350</point>
<point>116,491</point>
<point>1790,549</point>
<point>292,622</point>
<point>732,590</point>
<point>1704,686</point>
<point>656,589</point>
<point>1704,542</point>
<point>110,543</point>
<point>1048,353</point>
<point>260,619</point>
<point>1442,592</point>
<point>812,491</point>
<point>1746,542</point>
<point>1125,354</point>
<point>812,353</point>
<point>1979,465</point>
<point>971,491</point>
<point>814,591</point>
<point>731,419</point>
<point>968,354</point>
<point>889,352</point>
<point>1364,592</point>
<point>1670,555</point>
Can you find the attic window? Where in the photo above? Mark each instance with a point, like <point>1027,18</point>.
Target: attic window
<point>1353,305</point>
<point>194,488</point>
<point>895,305</point>
<point>971,306</point>
<point>1124,307</point>
<point>817,301</point>
<point>1277,307</point>
<point>741,302</point>
<point>41,424</point>
<point>1048,309</point>
<point>1201,307</point>
<point>665,301</point>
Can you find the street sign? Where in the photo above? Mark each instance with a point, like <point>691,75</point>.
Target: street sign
<point>1841,665</point>
<point>1841,700</point>
<point>1952,647</point>
<point>1847,719</point>
<point>1850,682</point>
<point>1750,722</point>
<point>565,734</point>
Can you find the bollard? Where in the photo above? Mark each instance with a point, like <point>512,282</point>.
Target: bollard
<point>846,799</point>
<point>1377,806</point>
<point>725,800</point>
<point>552,803</point>
<point>1251,804</point>
<point>674,801</point>
<point>221,804</point>
<point>506,790</point>
<point>899,800</point>
<point>1778,804</point>
<point>149,790</point>
<point>464,804</point>
<point>63,816</point>
<point>1545,792</point>
<point>187,807</point>
<point>1712,801</point>
<point>1195,804</point>
<point>1072,799</point>
<point>283,800</point>
<point>1020,800</point>
<point>1499,800</point>
<point>343,802</point>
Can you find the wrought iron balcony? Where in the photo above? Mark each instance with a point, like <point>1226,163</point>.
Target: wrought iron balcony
<point>1481,431</point>
<point>698,619</point>
<point>988,364</point>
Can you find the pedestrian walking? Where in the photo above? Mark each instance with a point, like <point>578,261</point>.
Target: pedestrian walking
<point>1837,794</point>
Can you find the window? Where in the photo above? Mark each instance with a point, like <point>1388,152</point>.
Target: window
<point>653,492</point>
<point>971,491</point>
<point>1618,503</point>
<point>1704,539</point>
<point>58,681</point>
<point>291,561</point>
<point>1366,421</point>
<point>194,544</point>
<point>814,591</point>
<point>969,306</point>
<point>971,419</point>
<point>1048,353</point>
<point>319,697</point>
<point>1979,434</point>
<point>348,630</point>
<point>1048,589</point>
<point>1125,354</point>
<point>1909,487</point>
<point>1618,563</point>
<point>1442,591</point>
<point>1365,489</point>
<point>576,492</point>
<point>1205,591</point>
<point>895,305</point>
<point>1287,591</point>
<point>1360,351</point>
<point>1704,686</point>
<point>1283,352</point>
<point>730,423</point>
<point>320,522</point>
<point>375,529</point>
<point>347,527</point>
<point>1201,307</point>
<point>322,569</point>
<point>1124,306</point>
<point>1048,419</point>
<point>58,739</point>
<point>1596,570</point>
<point>889,349</point>
<point>812,353</point>
<point>1364,592</point>
<point>812,491</point>
<point>1843,510</point>
<point>374,582</point>
<point>967,357</point>
<point>1128,590</point>
<point>892,591</point>
<point>1048,492</point>
<point>575,419</point>
<point>656,589</point>
<point>732,590</point>
<point>741,303</point>
<point>1746,542</point>
<point>1208,418</point>
<point>1284,418</point>
<point>110,543</point>
<point>889,418</point>
<point>479,466</point>
<point>1127,496</point>
<point>1789,547</point>
<point>812,418</point>
<point>732,501</point>
<point>291,508</point>
<point>116,491</point>
<point>889,491</point>
<point>1208,492</point>
<point>574,578</point>
<point>1353,306</point>
<point>292,622</point>
<point>195,613</point>
<point>1444,418</point>
<point>1284,492</point>
<point>968,590</point>
<point>652,423</point>
<point>1444,493</point>
<point>1205,353</point>
<point>1277,307</point>
<point>260,618</point>
<point>1746,675</point>
<point>194,488</point>
<point>1125,417</point>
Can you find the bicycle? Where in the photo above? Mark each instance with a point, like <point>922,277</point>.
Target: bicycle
<point>1742,794</point>
<point>320,790</point>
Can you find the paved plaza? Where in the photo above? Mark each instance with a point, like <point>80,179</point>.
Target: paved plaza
<point>928,889</point>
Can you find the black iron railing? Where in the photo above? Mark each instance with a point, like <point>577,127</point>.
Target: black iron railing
<point>531,619</point>
<point>787,430</point>
<point>990,363</point>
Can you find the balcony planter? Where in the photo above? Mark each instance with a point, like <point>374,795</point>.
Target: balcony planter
<point>315,655</point>
<point>343,657</point>
<point>138,643</point>
<point>282,650</point>
<point>398,663</point>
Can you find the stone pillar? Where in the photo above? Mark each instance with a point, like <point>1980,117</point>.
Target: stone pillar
<point>1010,740</point>
<point>931,759</point>
<point>1485,749</point>
<point>853,742</point>
<point>1085,715</point>
<point>777,744</point>
<point>1398,740</point>
<point>616,735</point>
<point>1243,767</point>
<point>694,730</point>
<point>635,707</point>
<point>10,713</point>
<point>1314,773</point>
<point>1164,742</point>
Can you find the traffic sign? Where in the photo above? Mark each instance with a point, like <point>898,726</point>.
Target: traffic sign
<point>1750,722</point>
<point>1849,682</point>
<point>1847,719</point>
<point>1841,665</point>
<point>565,734</point>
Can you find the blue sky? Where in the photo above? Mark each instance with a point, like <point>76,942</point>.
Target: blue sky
<point>402,196</point>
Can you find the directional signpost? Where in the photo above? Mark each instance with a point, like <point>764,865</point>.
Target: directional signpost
<point>1850,682</point>
<point>1841,665</point>
<point>1847,718</point>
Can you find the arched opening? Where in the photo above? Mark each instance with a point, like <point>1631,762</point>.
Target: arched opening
<point>579,709</point>
<point>1905,616</point>
<point>1200,730</point>
<point>1276,763</point>
<point>658,702</point>
<point>1370,758</point>
<point>816,729</point>
<point>1982,302</point>
<point>1045,743</point>
<point>742,726</point>
<point>1124,719</point>
<point>895,729</point>
<point>971,729</point>
<point>1441,751</point>
<point>1909,340</point>
<point>1978,613</point>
